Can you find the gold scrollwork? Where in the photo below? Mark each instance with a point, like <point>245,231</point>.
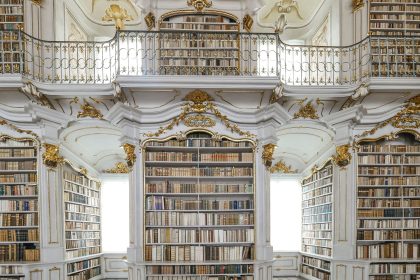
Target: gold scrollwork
<point>37,2</point>
<point>199,121</point>
<point>120,168</point>
<point>199,5</point>
<point>51,156</point>
<point>343,156</point>
<point>130,153</point>
<point>150,20</point>
<point>248,22</point>
<point>407,118</point>
<point>281,166</point>
<point>17,129</point>
<point>357,5</point>
<point>306,112</point>
<point>83,171</point>
<point>117,14</point>
<point>87,110</point>
<point>267,154</point>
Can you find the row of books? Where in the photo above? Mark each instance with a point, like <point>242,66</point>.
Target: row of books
<point>200,269</point>
<point>211,157</point>
<point>387,203</point>
<point>11,9</point>
<point>199,62</point>
<point>19,178</point>
<point>398,268</point>
<point>389,181</point>
<point>85,274</point>
<point>311,249</point>
<point>70,226</point>
<point>390,148</point>
<point>168,187</point>
<point>327,226</point>
<point>11,269</point>
<point>12,2</point>
<point>86,210</point>
<point>321,209</point>
<point>18,190</point>
<point>388,223</point>
<point>314,272</point>
<point>15,152</point>
<point>396,234</point>
<point>82,252</point>
<point>197,253</point>
<point>19,219</point>
<point>201,277</point>
<point>390,170</point>
<point>388,213</point>
<point>389,192</point>
<point>198,219</point>
<point>19,235</point>
<point>317,184</point>
<point>327,190</point>
<point>198,26</point>
<point>317,242</point>
<point>324,172</point>
<point>201,43</point>
<point>165,203</point>
<point>19,252</point>
<point>80,179</point>
<point>81,190</point>
<point>194,171</point>
<point>200,143</point>
<point>18,205</point>
<point>406,60</point>
<point>77,217</point>
<point>12,143</point>
<point>316,201</point>
<point>317,234</point>
<point>198,70</point>
<point>389,250</point>
<point>174,235</point>
<point>326,265</point>
<point>197,53</point>
<point>82,265</point>
<point>384,25</point>
<point>78,198</point>
<point>74,244</point>
<point>82,234</point>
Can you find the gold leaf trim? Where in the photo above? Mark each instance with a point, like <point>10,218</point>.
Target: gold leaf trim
<point>248,22</point>
<point>343,156</point>
<point>51,156</point>
<point>357,5</point>
<point>131,155</point>
<point>199,5</point>
<point>120,168</point>
<point>150,20</point>
<point>306,112</point>
<point>115,13</point>
<point>391,136</point>
<point>267,154</point>
<point>87,110</point>
<point>17,129</point>
<point>281,166</point>
<point>199,121</point>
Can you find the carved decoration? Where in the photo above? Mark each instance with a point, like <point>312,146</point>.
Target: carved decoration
<point>407,118</point>
<point>285,7</point>
<point>83,171</point>
<point>277,93</point>
<point>281,166</point>
<point>17,129</point>
<point>357,5</point>
<point>150,20</point>
<point>360,92</point>
<point>51,156</point>
<point>120,168</point>
<point>32,92</point>
<point>117,14</point>
<point>199,102</point>
<point>130,154</point>
<point>280,24</point>
<point>343,156</point>
<point>306,112</point>
<point>248,22</point>
<point>87,110</point>
<point>267,154</point>
<point>199,121</point>
<point>37,2</point>
<point>199,5</point>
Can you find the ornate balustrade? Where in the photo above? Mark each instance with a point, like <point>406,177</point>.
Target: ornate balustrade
<point>139,53</point>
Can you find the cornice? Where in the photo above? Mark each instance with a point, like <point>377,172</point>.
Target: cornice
<point>355,113</point>
<point>39,112</point>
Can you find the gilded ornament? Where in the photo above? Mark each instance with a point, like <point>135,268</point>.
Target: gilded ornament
<point>199,100</point>
<point>306,112</point>
<point>17,129</point>
<point>51,156</point>
<point>285,7</point>
<point>130,153</point>
<point>199,5</point>
<point>199,121</point>
<point>248,22</point>
<point>267,154</point>
<point>87,110</point>
<point>37,2</point>
<point>120,168</point>
<point>281,166</point>
<point>357,5</point>
<point>343,156</point>
<point>117,14</point>
<point>150,20</point>
<point>31,90</point>
<point>83,171</point>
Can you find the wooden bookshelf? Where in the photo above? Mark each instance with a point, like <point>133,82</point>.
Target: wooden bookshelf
<point>317,219</point>
<point>199,208</point>
<point>82,225</point>
<point>19,216</point>
<point>388,207</point>
<point>11,18</point>
<point>215,51</point>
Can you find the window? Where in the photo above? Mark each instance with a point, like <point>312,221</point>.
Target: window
<point>286,217</point>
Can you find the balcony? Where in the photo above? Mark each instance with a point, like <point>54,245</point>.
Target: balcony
<point>146,54</point>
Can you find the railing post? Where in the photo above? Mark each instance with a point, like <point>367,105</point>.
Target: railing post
<point>117,54</point>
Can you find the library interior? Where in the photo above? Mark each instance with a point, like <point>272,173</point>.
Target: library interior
<point>209,139</point>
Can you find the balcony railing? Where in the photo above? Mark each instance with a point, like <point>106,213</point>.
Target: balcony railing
<point>139,53</point>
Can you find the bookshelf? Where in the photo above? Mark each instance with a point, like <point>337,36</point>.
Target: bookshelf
<point>388,207</point>
<point>399,19</point>
<point>204,43</point>
<point>82,225</point>
<point>11,18</point>
<point>317,219</point>
<point>199,208</point>
<point>19,216</point>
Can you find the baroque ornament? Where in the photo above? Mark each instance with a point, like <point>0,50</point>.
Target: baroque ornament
<point>407,118</point>
<point>33,93</point>
<point>248,22</point>
<point>199,102</point>
<point>117,14</point>
<point>120,168</point>
<point>130,154</point>
<point>357,5</point>
<point>37,2</point>
<point>199,5</point>
<point>281,166</point>
<point>51,156</point>
<point>150,20</point>
<point>17,129</point>
<point>285,7</point>
<point>87,110</point>
<point>306,112</point>
<point>343,156</point>
<point>267,154</point>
